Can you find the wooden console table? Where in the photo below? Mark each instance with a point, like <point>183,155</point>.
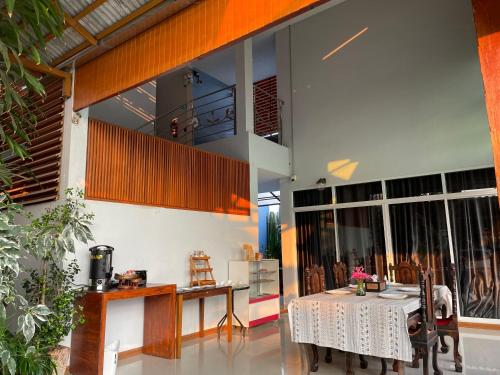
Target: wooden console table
<point>87,341</point>
<point>201,294</point>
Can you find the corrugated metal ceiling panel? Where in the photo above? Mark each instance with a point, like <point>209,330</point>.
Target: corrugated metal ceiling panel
<point>109,13</point>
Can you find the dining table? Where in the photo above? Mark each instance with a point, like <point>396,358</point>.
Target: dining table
<point>375,324</point>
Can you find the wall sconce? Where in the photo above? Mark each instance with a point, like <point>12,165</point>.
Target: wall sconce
<point>321,183</point>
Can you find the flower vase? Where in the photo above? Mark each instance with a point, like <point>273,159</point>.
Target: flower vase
<point>360,289</point>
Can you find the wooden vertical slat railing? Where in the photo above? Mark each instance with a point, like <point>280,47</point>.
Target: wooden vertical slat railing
<point>131,167</point>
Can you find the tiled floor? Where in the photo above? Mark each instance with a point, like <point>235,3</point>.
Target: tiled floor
<point>268,350</point>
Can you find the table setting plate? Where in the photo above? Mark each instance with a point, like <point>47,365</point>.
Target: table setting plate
<point>392,296</point>
<point>410,289</point>
<point>340,292</point>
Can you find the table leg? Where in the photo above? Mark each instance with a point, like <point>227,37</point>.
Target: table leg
<point>87,340</point>
<point>201,305</point>
<point>399,367</point>
<point>229,303</point>
<point>159,325</point>
<point>348,364</point>
<point>178,335</point>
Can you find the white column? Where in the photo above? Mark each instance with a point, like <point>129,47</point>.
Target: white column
<point>283,77</point>
<point>244,87</point>
<point>74,147</point>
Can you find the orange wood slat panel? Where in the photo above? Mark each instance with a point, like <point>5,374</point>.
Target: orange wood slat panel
<point>487,19</point>
<point>132,167</point>
<point>193,32</point>
<point>36,179</point>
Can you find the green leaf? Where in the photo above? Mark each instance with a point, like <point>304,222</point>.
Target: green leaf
<point>28,327</point>
<point>11,365</point>
<point>34,83</point>
<point>35,55</point>
<point>5,55</point>
<point>10,7</point>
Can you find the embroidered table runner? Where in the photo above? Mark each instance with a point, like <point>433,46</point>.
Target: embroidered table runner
<point>366,325</point>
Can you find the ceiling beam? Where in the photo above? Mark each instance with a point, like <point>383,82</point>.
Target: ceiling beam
<point>80,29</point>
<point>96,4</point>
<point>45,69</point>
<point>117,25</point>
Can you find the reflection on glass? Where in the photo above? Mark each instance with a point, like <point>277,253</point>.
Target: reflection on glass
<point>419,235</point>
<point>414,186</point>
<point>312,197</point>
<point>361,239</point>
<point>470,180</point>
<point>315,244</point>
<point>475,227</point>
<point>359,192</point>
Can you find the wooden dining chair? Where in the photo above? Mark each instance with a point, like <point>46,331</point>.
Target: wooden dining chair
<point>422,329</point>
<point>404,272</point>
<point>315,283</point>
<point>424,335</point>
<point>448,326</point>
<point>340,277</point>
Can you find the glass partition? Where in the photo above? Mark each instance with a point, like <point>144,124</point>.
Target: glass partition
<point>315,243</point>
<point>420,235</point>
<point>475,228</point>
<point>361,239</point>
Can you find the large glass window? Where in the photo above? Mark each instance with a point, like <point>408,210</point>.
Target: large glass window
<point>475,228</point>
<point>419,234</point>
<point>359,192</point>
<point>470,180</point>
<point>315,243</point>
<point>414,186</point>
<point>312,197</point>
<point>361,238</point>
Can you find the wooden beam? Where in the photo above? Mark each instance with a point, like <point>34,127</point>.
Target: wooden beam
<point>117,25</point>
<point>487,20</point>
<point>96,4</point>
<point>80,29</point>
<point>42,68</point>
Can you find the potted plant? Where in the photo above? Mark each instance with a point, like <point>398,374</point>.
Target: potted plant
<point>360,276</point>
<point>47,311</point>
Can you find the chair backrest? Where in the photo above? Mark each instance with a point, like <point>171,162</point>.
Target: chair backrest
<point>315,279</point>
<point>404,272</point>
<point>453,271</point>
<point>340,277</point>
<point>427,297</point>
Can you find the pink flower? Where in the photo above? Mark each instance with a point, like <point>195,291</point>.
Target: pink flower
<point>359,274</point>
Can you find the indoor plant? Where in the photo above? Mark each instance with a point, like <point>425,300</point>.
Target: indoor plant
<point>45,312</point>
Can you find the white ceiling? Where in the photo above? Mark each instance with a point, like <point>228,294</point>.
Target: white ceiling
<point>221,64</point>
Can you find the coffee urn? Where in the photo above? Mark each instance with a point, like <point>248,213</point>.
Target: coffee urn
<point>101,270</point>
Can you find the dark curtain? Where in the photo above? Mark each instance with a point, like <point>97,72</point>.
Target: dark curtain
<point>315,243</point>
<point>475,227</point>
<point>419,234</point>
<point>361,239</point>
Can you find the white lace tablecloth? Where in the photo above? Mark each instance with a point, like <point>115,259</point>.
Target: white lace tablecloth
<point>367,325</point>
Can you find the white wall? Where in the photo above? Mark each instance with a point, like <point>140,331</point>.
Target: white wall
<point>159,240</point>
<point>405,98</point>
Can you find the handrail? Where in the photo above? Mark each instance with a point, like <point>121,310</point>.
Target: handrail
<point>185,105</point>
<point>194,118</point>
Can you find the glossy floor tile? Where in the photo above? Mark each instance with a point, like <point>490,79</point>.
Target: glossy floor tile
<point>268,350</point>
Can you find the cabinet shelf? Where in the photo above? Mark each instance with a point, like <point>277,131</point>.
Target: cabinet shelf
<point>261,281</point>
